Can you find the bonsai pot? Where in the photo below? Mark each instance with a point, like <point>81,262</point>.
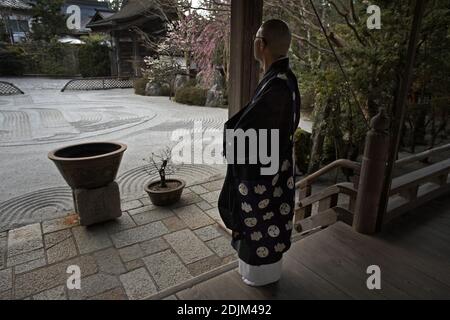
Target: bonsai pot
<point>89,165</point>
<point>165,196</point>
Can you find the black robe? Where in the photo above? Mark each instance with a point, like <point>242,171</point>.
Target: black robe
<point>258,208</point>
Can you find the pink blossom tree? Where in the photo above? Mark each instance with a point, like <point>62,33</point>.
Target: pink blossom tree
<point>203,38</point>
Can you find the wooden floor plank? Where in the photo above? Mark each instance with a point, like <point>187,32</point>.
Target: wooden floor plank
<point>421,231</point>
<point>433,266</point>
<point>413,253</point>
<point>307,285</point>
<point>395,266</point>
<point>342,266</point>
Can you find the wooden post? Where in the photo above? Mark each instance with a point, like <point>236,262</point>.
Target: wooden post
<point>117,42</point>
<point>136,61</point>
<point>372,170</point>
<point>399,108</point>
<point>246,18</point>
<point>112,54</point>
<point>304,192</point>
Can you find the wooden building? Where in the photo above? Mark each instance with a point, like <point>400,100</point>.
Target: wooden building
<point>129,28</point>
<point>18,15</point>
<point>16,18</point>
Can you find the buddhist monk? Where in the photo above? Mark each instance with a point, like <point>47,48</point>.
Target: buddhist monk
<point>256,203</point>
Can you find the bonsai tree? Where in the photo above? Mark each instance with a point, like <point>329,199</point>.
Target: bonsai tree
<point>164,192</point>
<point>162,162</point>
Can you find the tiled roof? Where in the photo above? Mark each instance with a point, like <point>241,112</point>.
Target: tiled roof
<point>14,4</point>
<point>137,8</point>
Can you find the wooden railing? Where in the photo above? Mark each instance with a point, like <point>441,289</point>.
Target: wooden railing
<point>423,155</point>
<point>420,186</point>
<point>407,192</point>
<point>328,211</point>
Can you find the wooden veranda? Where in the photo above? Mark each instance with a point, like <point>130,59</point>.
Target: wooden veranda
<point>413,255</point>
<point>340,239</point>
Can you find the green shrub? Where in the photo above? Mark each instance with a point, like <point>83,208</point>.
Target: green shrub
<point>329,150</point>
<point>191,83</point>
<point>51,58</point>
<point>302,145</point>
<point>191,95</point>
<point>94,58</point>
<point>139,86</point>
<point>165,91</point>
<point>12,62</point>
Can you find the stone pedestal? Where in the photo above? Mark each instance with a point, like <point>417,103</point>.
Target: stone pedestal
<point>97,205</point>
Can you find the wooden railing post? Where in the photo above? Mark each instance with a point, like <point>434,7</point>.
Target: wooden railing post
<point>304,192</point>
<point>372,171</point>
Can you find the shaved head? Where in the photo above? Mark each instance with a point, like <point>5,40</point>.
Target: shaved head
<point>277,36</point>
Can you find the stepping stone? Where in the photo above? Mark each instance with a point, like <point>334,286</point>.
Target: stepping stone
<point>152,216</point>
<point>187,199</point>
<point>131,253</point>
<point>120,224</point>
<point>167,269</point>
<point>3,250</point>
<point>214,214</point>
<point>25,257</point>
<point>129,205</point>
<point>205,265</point>
<point>54,238</point>
<point>138,284</point>
<point>109,262</point>
<point>188,246</point>
<point>25,239</point>
<point>94,285</point>
<point>174,224</point>
<point>62,251</point>
<point>29,266</point>
<point>133,265</point>
<point>56,293</point>
<point>221,246</point>
<point>60,224</point>
<point>113,294</point>
<point>193,217</point>
<point>214,185</point>
<point>198,189</point>
<point>204,205</point>
<point>6,279</point>
<point>208,233</point>
<point>91,239</point>
<point>211,197</point>
<point>153,246</point>
<point>139,234</point>
<point>33,282</point>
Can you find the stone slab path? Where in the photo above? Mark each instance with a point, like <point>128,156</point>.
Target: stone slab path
<point>147,250</point>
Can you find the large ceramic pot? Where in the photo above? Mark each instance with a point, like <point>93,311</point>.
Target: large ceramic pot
<point>89,165</point>
<point>165,196</point>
